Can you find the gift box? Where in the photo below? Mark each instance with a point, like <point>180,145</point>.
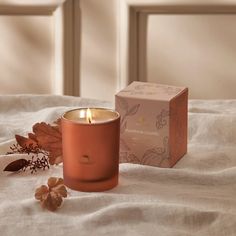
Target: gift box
<point>153,123</point>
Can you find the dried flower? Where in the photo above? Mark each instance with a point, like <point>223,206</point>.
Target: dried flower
<point>51,196</point>
<point>44,144</point>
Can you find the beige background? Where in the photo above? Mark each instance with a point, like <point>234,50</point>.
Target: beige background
<point>26,54</point>
<point>198,51</point>
<point>82,47</point>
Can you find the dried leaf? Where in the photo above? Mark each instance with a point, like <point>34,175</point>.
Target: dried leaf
<point>25,142</point>
<point>16,165</point>
<point>51,196</point>
<point>49,139</point>
<point>58,123</point>
<point>32,137</point>
<point>55,158</point>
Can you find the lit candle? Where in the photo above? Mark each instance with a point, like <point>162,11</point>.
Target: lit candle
<point>89,116</point>
<point>90,141</point>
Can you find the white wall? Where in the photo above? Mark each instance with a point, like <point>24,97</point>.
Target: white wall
<point>38,47</point>
<point>198,51</point>
<point>98,48</point>
<point>93,48</point>
<point>177,42</point>
<point>26,54</point>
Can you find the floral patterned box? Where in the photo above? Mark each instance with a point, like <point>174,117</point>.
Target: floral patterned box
<point>153,123</point>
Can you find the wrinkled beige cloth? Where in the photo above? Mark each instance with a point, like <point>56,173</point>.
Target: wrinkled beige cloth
<point>196,197</point>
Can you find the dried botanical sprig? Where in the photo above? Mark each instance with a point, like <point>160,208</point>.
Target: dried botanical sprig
<point>33,165</point>
<point>51,196</point>
<point>39,163</point>
<point>39,159</point>
<point>44,145</point>
<point>27,149</point>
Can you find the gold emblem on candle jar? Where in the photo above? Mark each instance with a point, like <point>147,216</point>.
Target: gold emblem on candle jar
<point>85,159</point>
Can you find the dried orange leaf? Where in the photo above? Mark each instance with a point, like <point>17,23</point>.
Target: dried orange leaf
<point>58,124</point>
<point>43,129</point>
<point>32,137</point>
<point>49,139</point>
<point>54,159</point>
<point>25,142</point>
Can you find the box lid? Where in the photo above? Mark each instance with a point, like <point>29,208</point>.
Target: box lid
<point>152,91</point>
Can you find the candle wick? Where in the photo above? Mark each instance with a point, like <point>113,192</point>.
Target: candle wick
<point>89,120</point>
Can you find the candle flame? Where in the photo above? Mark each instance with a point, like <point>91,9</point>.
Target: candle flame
<point>89,116</point>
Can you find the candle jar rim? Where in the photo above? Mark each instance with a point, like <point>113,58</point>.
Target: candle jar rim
<point>91,108</point>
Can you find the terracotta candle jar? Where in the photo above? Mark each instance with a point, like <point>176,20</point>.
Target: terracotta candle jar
<point>90,142</point>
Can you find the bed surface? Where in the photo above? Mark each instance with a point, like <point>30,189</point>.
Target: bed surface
<point>196,197</point>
